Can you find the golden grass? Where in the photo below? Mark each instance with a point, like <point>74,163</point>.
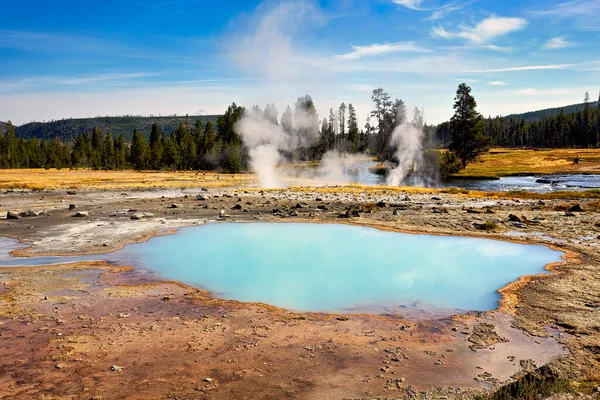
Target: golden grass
<point>39,179</point>
<point>502,162</point>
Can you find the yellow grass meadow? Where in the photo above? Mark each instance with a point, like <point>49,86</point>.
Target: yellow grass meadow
<point>40,179</point>
<point>503,162</point>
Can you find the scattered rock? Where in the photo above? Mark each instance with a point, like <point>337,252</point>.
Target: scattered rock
<point>381,204</point>
<point>237,207</point>
<point>81,214</point>
<point>141,215</point>
<point>12,215</point>
<point>59,366</point>
<point>207,379</point>
<point>528,365</point>
<point>575,208</point>
<point>351,212</point>
<point>322,207</point>
<point>72,192</point>
<point>116,368</point>
<point>176,205</point>
<point>318,199</point>
<point>28,213</point>
<point>72,206</point>
<point>202,197</point>
<point>514,218</point>
<point>396,211</point>
<point>483,336</point>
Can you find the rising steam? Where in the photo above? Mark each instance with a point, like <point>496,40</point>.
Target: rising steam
<point>407,141</point>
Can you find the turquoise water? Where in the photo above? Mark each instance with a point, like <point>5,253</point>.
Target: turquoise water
<point>318,267</point>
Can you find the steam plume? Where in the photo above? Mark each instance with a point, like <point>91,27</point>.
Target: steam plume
<point>408,142</point>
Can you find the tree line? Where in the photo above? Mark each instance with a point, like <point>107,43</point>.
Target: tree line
<point>202,146</point>
<point>564,130</point>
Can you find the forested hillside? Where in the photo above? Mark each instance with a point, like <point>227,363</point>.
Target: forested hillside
<point>571,126</point>
<point>66,130</point>
<point>533,116</point>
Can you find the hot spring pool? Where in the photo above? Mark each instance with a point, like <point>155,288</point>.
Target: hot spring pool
<point>327,267</point>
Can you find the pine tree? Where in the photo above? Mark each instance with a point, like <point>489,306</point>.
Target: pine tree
<point>210,138</point>
<point>287,121</point>
<point>139,151</point>
<point>156,147</point>
<point>10,147</point>
<point>199,141</point>
<point>468,140</point>
<point>120,152</point>
<point>271,114</point>
<point>353,134</point>
<point>342,121</point>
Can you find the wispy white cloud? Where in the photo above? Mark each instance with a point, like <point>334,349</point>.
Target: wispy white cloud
<point>558,43</point>
<point>533,67</point>
<point>497,83</point>
<point>485,31</point>
<point>534,92</point>
<point>47,81</point>
<point>380,49</point>
<point>586,13</point>
<point>410,4</point>
<point>442,12</point>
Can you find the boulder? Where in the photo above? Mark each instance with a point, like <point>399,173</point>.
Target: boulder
<point>28,213</point>
<point>12,215</point>
<point>575,208</point>
<point>514,218</point>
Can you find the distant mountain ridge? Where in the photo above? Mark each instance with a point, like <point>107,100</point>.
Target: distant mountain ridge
<point>67,130</point>
<point>532,116</point>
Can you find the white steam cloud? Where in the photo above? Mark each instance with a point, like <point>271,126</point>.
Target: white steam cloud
<point>408,142</point>
<point>263,140</point>
<point>267,143</point>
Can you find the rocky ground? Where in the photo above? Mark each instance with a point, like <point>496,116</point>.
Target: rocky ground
<point>94,331</point>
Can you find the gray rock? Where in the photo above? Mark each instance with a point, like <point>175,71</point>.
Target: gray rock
<point>202,197</point>
<point>81,214</point>
<point>28,213</point>
<point>141,215</point>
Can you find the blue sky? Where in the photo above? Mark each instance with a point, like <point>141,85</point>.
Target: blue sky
<point>87,58</point>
